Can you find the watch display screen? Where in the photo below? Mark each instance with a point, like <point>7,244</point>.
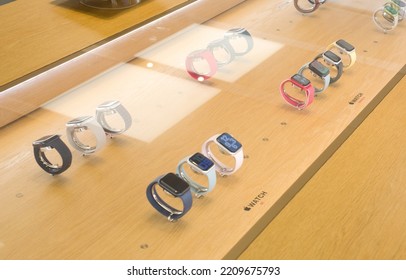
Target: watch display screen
<point>173,184</point>
<point>109,104</point>
<point>229,142</point>
<point>332,56</point>
<point>45,139</point>
<point>318,68</point>
<point>300,80</point>
<point>345,45</point>
<point>201,161</point>
<point>79,120</point>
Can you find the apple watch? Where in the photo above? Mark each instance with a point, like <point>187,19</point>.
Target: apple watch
<point>222,51</point>
<point>47,143</point>
<point>386,17</point>
<point>110,108</point>
<point>176,187</point>
<point>333,60</point>
<point>303,84</point>
<point>318,70</point>
<point>306,8</point>
<point>344,48</point>
<point>240,40</point>
<point>81,124</point>
<point>201,64</point>
<point>227,145</point>
<point>200,165</point>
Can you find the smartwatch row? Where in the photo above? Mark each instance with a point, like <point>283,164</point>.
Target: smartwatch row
<point>98,126</point>
<point>319,68</point>
<point>307,6</point>
<point>181,185</point>
<point>203,64</point>
<point>389,15</point>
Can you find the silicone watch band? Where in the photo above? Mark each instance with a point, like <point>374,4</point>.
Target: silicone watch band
<point>298,104</point>
<point>90,123</point>
<point>113,107</point>
<point>352,55</point>
<point>164,208</point>
<point>52,142</point>
<point>201,55</point>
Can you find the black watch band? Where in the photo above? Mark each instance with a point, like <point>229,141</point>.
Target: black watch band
<point>52,142</point>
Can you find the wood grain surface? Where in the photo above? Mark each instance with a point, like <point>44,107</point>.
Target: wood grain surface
<point>353,207</point>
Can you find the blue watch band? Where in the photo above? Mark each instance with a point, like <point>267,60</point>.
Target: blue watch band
<point>164,208</point>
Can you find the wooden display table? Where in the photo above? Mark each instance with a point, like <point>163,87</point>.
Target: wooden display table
<point>353,207</point>
<point>98,209</point>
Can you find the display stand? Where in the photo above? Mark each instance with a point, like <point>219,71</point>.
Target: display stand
<point>98,209</point>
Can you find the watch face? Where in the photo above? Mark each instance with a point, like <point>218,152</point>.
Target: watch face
<point>236,31</point>
<point>400,3</point>
<point>109,104</point>
<point>173,184</point>
<point>79,120</point>
<point>46,139</point>
<point>318,68</point>
<point>345,45</point>
<point>300,80</point>
<point>201,161</point>
<point>391,10</point>
<point>332,56</point>
<point>229,142</point>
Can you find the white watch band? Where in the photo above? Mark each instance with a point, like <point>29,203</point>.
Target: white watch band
<point>85,123</point>
<point>113,107</point>
<point>197,188</point>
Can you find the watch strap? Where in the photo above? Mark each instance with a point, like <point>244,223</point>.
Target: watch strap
<point>352,55</point>
<point>97,131</point>
<point>124,114</point>
<point>298,104</point>
<point>164,208</point>
<point>46,164</point>
<point>201,54</point>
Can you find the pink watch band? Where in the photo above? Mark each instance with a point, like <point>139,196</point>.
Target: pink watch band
<point>205,55</point>
<point>299,104</point>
